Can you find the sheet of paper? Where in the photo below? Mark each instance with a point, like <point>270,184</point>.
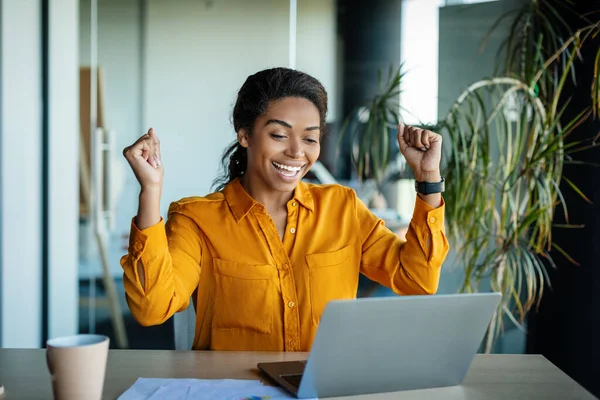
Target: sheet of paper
<point>200,389</point>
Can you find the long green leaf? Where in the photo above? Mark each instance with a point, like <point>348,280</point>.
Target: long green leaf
<point>564,253</point>
<point>577,190</point>
<point>596,86</point>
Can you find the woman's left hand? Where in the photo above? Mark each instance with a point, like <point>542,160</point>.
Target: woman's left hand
<point>422,150</point>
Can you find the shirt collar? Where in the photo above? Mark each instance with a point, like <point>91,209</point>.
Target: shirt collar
<point>240,202</point>
<point>302,195</point>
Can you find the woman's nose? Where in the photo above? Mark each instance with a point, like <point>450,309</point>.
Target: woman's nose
<point>295,149</point>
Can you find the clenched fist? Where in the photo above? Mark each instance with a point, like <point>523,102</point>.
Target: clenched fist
<point>422,150</point>
<point>144,158</point>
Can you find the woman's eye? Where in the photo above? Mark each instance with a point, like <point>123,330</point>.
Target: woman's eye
<point>310,140</point>
<point>277,136</point>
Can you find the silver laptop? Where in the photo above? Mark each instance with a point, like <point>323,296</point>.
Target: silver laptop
<point>388,344</point>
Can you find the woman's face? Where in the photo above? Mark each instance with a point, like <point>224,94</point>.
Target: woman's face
<point>284,145</point>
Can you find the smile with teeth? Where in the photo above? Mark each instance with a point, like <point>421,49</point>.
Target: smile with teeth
<point>287,170</point>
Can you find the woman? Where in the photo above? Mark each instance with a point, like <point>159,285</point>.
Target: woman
<point>263,255</point>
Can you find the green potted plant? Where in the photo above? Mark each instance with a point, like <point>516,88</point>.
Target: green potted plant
<point>504,154</point>
<point>505,151</point>
<point>372,128</point>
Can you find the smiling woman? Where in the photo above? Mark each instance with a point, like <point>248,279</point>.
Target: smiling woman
<point>281,151</point>
<point>264,253</point>
<point>284,106</point>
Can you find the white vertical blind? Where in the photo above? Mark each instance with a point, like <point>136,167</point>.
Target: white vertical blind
<point>63,167</point>
<point>21,174</point>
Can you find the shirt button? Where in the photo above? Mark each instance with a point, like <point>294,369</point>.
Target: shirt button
<point>137,246</point>
<point>432,220</point>
<point>293,230</point>
<point>293,343</point>
<point>285,266</point>
<point>291,304</point>
<point>294,204</point>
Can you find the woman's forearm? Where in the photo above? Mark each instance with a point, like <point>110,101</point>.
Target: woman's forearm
<point>148,208</point>
<point>147,216</point>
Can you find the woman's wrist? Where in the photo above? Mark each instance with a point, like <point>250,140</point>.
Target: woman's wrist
<point>433,199</point>
<point>428,176</point>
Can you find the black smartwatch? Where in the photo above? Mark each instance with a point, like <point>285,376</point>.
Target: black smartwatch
<point>429,187</point>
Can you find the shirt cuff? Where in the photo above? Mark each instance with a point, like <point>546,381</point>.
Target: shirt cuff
<point>143,241</point>
<point>425,213</point>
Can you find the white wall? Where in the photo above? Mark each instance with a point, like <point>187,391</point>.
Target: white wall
<point>317,46</point>
<point>21,169</point>
<point>63,164</point>
<point>198,57</point>
<point>196,60</point>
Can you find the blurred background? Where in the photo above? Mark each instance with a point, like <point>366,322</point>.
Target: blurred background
<point>82,79</point>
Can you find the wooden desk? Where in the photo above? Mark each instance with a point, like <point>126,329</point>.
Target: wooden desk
<point>24,374</point>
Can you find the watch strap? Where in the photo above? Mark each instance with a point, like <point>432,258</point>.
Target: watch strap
<point>430,187</point>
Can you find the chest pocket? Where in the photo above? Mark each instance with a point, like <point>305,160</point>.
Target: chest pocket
<point>332,276</point>
<point>245,296</point>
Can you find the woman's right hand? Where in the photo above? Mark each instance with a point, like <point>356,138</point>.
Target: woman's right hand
<point>144,158</point>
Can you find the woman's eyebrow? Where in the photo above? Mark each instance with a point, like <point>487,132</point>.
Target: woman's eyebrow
<point>287,125</point>
<point>279,122</point>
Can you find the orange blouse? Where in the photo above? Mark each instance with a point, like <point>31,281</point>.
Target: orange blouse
<point>253,291</point>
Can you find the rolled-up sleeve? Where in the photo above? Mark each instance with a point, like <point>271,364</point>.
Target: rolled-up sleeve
<point>411,267</point>
<point>169,255</point>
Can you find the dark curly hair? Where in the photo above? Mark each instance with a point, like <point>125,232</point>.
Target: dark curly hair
<point>254,98</point>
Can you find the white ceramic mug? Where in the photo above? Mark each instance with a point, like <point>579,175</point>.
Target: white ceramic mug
<point>77,365</point>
